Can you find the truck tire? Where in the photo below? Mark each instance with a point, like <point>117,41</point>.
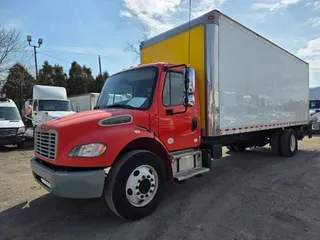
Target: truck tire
<point>136,184</point>
<point>231,148</point>
<point>20,145</point>
<point>240,147</point>
<point>275,142</point>
<point>289,143</point>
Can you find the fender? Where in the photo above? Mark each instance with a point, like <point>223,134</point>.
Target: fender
<point>153,144</point>
<point>117,140</point>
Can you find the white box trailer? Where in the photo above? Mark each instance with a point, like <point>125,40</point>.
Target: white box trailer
<point>83,102</point>
<point>247,83</point>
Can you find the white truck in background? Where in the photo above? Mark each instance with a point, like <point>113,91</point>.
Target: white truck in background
<point>48,102</point>
<point>83,102</point>
<point>12,129</point>
<point>314,97</point>
<point>314,108</point>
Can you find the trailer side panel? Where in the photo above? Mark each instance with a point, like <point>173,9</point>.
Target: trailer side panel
<point>261,86</point>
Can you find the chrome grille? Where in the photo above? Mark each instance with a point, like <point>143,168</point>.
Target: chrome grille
<point>8,132</point>
<point>316,126</point>
<point>46,144</point>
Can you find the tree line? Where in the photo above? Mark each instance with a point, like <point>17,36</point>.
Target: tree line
<point>16,82</point>
<point>19,82</point>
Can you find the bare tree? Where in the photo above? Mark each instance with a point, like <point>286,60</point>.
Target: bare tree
<point>134,46</point>
<point>12,50</point>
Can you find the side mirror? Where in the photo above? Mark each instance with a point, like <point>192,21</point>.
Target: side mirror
<point>190,80</point>
<point>189,101</point>
<point>186,78</point>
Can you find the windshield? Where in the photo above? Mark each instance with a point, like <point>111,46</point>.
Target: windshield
<point>54,105</point>
<point>314,104</point>
<point>9,113</point>
<point>131,89</point>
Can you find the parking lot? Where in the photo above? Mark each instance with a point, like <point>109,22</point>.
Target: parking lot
<point>251,195</point>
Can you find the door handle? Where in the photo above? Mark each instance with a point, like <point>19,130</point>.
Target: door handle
<point>194,124</point>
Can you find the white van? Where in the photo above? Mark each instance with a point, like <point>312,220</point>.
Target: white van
<point>12,129</point>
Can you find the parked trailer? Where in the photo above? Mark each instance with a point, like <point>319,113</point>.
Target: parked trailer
<point>83,102</point>
<point>165,121</point>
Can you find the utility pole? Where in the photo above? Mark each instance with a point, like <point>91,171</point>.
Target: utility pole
<point>40,41</point>
<point>99,64</point>
<point>35,60</point>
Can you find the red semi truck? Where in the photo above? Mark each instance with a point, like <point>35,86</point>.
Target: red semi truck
<point>161,122</point>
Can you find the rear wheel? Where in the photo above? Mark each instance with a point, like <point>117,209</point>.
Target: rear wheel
<point>239,147</point>
<point>135,185</point>
<point>289,143</point>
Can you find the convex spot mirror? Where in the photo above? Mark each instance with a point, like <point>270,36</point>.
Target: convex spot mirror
<point>190,78</point>
<point>189,101</point>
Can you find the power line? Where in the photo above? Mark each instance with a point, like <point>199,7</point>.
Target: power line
<point>75,53</point>
<point>64,52</point>
<point>48,55</point>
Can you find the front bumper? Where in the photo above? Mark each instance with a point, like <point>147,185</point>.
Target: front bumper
<point>315,126</point>
<point>69,184</point>
<point>12,139</point>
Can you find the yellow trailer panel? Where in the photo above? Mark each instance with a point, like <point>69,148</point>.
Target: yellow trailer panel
<point>174,50</point>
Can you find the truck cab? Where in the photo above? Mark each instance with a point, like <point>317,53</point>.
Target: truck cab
<point>46,109</point>
<point>143,113</point>
<point>48,103</point>
<point>314,106</point>
<point>12,129</point>
<point>314,110</point>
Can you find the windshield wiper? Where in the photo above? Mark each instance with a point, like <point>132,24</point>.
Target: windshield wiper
<point>118,105</point>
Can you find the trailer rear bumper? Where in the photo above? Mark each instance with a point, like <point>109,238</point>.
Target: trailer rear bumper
<point>69,184</point>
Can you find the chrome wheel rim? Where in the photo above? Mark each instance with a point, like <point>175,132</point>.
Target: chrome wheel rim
<point>142,185</point>
<point>292,143</point>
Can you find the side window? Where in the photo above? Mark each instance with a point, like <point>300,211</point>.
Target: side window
<point>173,91</point>
<point>35,104</point>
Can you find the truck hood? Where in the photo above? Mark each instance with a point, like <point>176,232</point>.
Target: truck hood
<point>314,110</point>
<point>93,117</point>
<point>57,114</point>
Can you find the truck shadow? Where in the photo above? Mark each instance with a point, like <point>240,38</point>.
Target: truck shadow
<point>55,218</point>
<point>28,145</point>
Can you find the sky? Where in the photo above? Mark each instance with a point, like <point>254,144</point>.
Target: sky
<point>82,29</point>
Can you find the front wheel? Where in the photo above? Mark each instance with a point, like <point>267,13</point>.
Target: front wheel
<point>135,185</point>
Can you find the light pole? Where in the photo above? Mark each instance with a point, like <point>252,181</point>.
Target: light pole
<point>40,40</point>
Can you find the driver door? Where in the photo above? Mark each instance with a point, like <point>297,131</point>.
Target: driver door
<point>181,130</point>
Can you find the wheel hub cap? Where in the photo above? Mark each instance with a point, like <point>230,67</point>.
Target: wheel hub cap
<point>145,186</point>
<point>142,185</point>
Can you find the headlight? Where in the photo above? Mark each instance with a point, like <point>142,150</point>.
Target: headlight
<point>21,130</point>
<point>88,150</point>
<point>315,119</point>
